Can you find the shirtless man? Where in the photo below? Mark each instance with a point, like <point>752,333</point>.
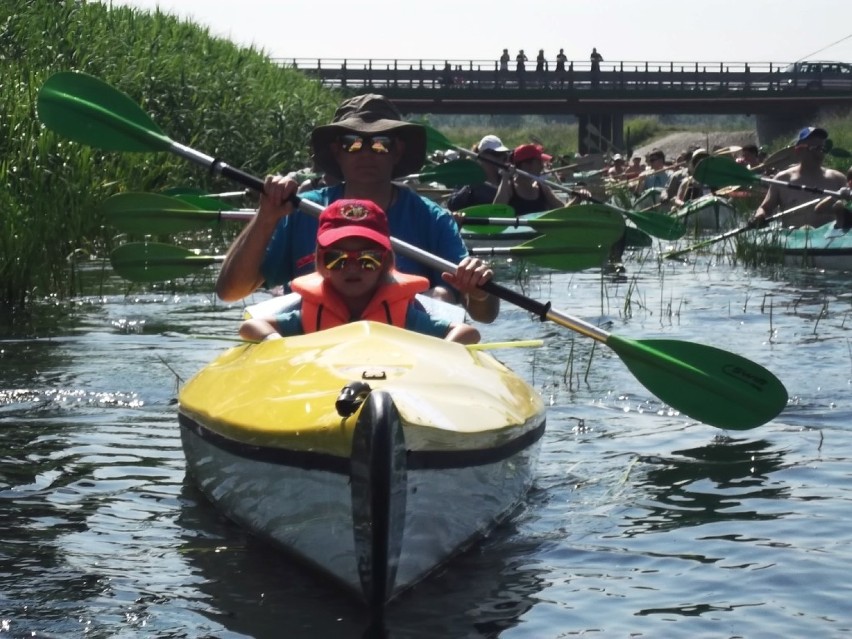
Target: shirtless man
<point>837,206</point>
<point>810,148</point>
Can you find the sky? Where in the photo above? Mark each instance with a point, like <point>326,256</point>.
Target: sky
<point>627,30</point>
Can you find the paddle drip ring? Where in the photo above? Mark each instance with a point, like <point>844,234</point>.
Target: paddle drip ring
<point>351,397</point>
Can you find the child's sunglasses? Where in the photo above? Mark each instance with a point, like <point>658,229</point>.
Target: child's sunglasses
<point>377,143</point>
<point>368,259</point>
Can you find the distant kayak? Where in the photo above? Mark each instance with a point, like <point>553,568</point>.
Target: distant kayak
<point>824,247</point>
<point>708,213</point>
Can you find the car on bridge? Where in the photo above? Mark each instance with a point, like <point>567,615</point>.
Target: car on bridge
<point>819,74</point>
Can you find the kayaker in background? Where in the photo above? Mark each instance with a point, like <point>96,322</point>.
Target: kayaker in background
<point>690,188</point>
<point>319,180</point>
<point>810,147</point>
<point>749,155</point>
<point>635,168</point>
<point>355,280</point>
<point>491,148</point>
<point>522,193</point>
<point>617,170</point>
<point>680,171</point>
<point>367,145</point>
<point>656,175</point>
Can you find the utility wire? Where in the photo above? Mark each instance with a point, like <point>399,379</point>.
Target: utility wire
<point>824,48</point>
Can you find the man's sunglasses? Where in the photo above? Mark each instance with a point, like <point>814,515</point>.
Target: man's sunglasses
<point>825,145</point>
<point>377,143</point>
<point>368,259</point>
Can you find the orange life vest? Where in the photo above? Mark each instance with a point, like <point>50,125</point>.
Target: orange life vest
<point>322,306</point>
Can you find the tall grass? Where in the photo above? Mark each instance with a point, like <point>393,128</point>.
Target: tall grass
<point>205,92</point>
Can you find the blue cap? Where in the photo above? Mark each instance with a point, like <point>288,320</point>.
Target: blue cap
<point>808,131</point>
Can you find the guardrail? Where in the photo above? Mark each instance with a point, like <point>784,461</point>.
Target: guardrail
<point>641,76</point>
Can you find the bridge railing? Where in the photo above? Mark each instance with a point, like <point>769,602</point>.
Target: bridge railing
<point>354,73</point>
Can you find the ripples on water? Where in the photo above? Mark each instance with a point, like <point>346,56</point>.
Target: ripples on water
<point>641,523</point>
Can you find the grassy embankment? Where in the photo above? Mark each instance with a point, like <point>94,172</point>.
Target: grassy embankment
<point>202,91</point>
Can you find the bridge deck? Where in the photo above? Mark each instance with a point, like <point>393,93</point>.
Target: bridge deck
<point>622,87</point>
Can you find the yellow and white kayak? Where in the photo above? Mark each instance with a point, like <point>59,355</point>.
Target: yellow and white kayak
<point>372,452</point>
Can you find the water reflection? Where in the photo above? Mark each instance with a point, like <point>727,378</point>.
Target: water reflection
<point>707,484</point>
<point>254,590</point>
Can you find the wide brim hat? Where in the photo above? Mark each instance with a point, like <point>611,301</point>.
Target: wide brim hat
<point>370,114</point>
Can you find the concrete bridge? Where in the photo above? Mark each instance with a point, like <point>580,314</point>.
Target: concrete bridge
<point>781,95</point>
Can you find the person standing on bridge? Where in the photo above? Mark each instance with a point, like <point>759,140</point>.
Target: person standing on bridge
<point>366,146</point>
<point>504,61</point>
<point>541,67</point>
<point>810,147</point>
<point>561,59</point>
<point>521,67</point>
<point>595,59</point>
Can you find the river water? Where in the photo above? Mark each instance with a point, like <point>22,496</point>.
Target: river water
<point>642,523</point>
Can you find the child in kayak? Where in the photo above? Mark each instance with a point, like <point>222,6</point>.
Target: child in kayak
<point>355,279</point>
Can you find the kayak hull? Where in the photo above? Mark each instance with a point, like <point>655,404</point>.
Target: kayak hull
<point>824,247</point>
<point>708,214</point>
<point>377,492</point>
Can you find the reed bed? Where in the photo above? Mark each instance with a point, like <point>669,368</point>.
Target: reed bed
<point>202,91</point>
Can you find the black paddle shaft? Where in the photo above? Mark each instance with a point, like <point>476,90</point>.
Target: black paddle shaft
<point>540,309</point>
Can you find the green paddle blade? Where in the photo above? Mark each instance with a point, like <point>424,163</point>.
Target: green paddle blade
<point>587,224</point>
<point>206,203</point>
<point>656,224</point>
<point>554,251</point>
<point>473,214</point>
<point>721,171</point>
<point>634,238</point>
<point>489,210</point>
<point>84,109</point>
<point>708,384</point>
<point>153,262</point>
<point>453,174</point>
<point>154,214</point>
<point>592,225</point>
<point>177,191</point>
<point>435,140</point>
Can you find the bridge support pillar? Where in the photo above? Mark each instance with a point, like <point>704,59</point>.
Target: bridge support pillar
<point>783,125</point>
<point>600,133</point>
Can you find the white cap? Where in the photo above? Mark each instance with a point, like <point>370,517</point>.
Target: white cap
<point>617,157</point>
<point>492,143</point>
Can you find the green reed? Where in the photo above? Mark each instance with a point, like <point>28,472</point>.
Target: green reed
<point>205,92</point>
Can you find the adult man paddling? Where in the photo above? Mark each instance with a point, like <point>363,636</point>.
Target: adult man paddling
<point>367,145</point>
<point>810,147</point>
